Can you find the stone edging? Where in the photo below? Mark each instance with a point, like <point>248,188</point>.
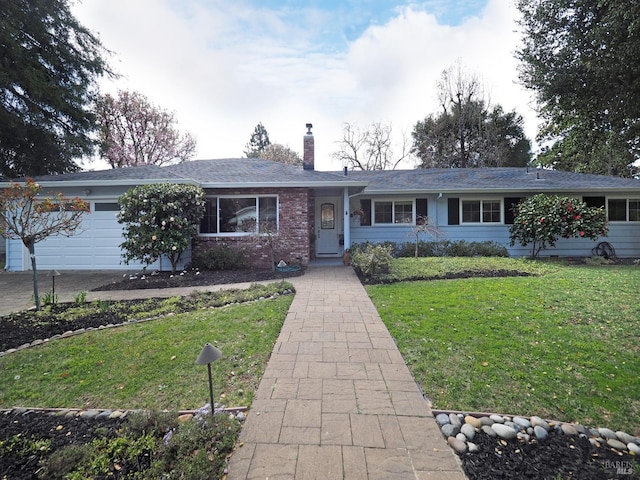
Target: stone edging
<point>459,429</point>
<point>104,414</point>
<point>80,331</point>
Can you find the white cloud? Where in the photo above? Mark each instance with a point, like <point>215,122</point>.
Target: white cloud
<point>225,66</point>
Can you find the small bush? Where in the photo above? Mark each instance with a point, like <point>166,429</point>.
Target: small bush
<point>374,261</point>
<point>80,297</point>
<point>458,248</point>
<point>49,298</point>
<point>221,257</point>
<point>490,249</point>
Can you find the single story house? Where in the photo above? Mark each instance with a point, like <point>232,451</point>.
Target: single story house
<point>319,214</point>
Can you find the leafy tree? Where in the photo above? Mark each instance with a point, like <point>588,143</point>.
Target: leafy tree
<point>133,132</point>
<point>49,65</point>
<point>467,132</point>
<point>370,148</point>
<point>541,219</point>
<point>279,153</point>
<point>160,219</point>
<point>24,214</point>
<point>258,142</point>
<point>580,57</point>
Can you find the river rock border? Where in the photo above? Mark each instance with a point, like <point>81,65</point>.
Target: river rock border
<point>460,428</point>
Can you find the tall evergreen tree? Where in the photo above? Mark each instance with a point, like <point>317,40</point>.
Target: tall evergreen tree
<point>581,58</point>
<point>49,64</point>
<point>258,142</point>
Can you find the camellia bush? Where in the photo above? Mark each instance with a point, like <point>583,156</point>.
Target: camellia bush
<point>160,219</point>
<point>542,219</point>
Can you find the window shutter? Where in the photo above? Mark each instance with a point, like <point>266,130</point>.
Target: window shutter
<point>421,207</point>
<point>454,211</point>
<point>366,208</point>
<point>509,214</point>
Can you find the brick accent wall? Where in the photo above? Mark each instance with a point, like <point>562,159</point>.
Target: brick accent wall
<point>292,240</point>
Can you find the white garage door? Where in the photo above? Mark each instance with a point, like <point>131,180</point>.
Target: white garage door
<point>95,246</point>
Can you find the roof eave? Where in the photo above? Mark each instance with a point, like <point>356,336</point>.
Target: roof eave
<point>500,190</point>
<point>305,184</point>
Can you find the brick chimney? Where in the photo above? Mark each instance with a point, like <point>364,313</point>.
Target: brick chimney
<point>308,156</point>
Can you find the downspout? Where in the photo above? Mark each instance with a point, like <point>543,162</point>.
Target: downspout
<point>347,223</point>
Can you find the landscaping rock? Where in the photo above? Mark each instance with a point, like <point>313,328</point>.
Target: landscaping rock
<point>540,422</point>
<point>540,432</point>
<point>633,448</point>
<point>486,421</point>
<point>473,421</point>
<point>458,445</point>
<point>442,419</point>
<point>523,422</point>
<point>504,431</point>
<point>449,430</point>
<point>489,431</point>
<point>625,437</point>
<point>455,420</point>
<point>617,444</point>
<point>497,418</point>
<point>569,429</point>
<point>607,433</point>
<point>468,431</point>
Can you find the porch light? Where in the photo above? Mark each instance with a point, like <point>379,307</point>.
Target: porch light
<point>209,354</point>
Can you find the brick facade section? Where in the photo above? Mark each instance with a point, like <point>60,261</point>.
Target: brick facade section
<point>292,243</point>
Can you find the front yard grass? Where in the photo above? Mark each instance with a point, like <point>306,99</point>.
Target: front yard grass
<point>563,344</point>
<point>149,365</point>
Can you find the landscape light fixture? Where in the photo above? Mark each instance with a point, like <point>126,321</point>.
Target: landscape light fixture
<point>53,274</point>
<point>208,355</point>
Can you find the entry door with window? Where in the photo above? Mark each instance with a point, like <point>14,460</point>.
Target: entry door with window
<point>328,227</point>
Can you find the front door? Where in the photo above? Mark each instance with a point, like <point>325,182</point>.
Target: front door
<point>328,226</point>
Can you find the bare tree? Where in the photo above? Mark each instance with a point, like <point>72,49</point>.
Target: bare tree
<point>370,148</point>
<point>280,153</point>
<point>135,132</point>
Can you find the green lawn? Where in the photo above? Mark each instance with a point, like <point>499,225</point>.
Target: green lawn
<point>564,344</point>
<point>149,365</point>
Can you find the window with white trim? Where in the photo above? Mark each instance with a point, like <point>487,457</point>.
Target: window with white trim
<point>389,212</point>
<point>623,209</point>
<point>240,215</point>
<point>481,211</point>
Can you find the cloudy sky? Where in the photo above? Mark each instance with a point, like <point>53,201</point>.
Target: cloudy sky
<point>224,65</point>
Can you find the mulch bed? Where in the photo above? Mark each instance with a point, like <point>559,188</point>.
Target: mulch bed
<point>556,457</point>
<point>195,278</point>
<point>20,430</point>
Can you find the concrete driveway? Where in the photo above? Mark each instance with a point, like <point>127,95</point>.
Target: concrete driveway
<point>16,288</point>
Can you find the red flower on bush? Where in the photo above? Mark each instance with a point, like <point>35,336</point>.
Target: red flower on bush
<point>582,233</point>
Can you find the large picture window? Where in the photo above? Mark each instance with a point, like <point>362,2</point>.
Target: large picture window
<point>240,215</point>
<point>393,212</point>
<point>481,211</point>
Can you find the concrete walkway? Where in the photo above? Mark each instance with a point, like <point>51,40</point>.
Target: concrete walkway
<point>337,400</point>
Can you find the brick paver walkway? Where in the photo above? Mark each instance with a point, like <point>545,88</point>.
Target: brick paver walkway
<point>337,400</point>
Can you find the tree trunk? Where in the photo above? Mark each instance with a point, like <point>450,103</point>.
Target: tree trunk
<point>32,255</point>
